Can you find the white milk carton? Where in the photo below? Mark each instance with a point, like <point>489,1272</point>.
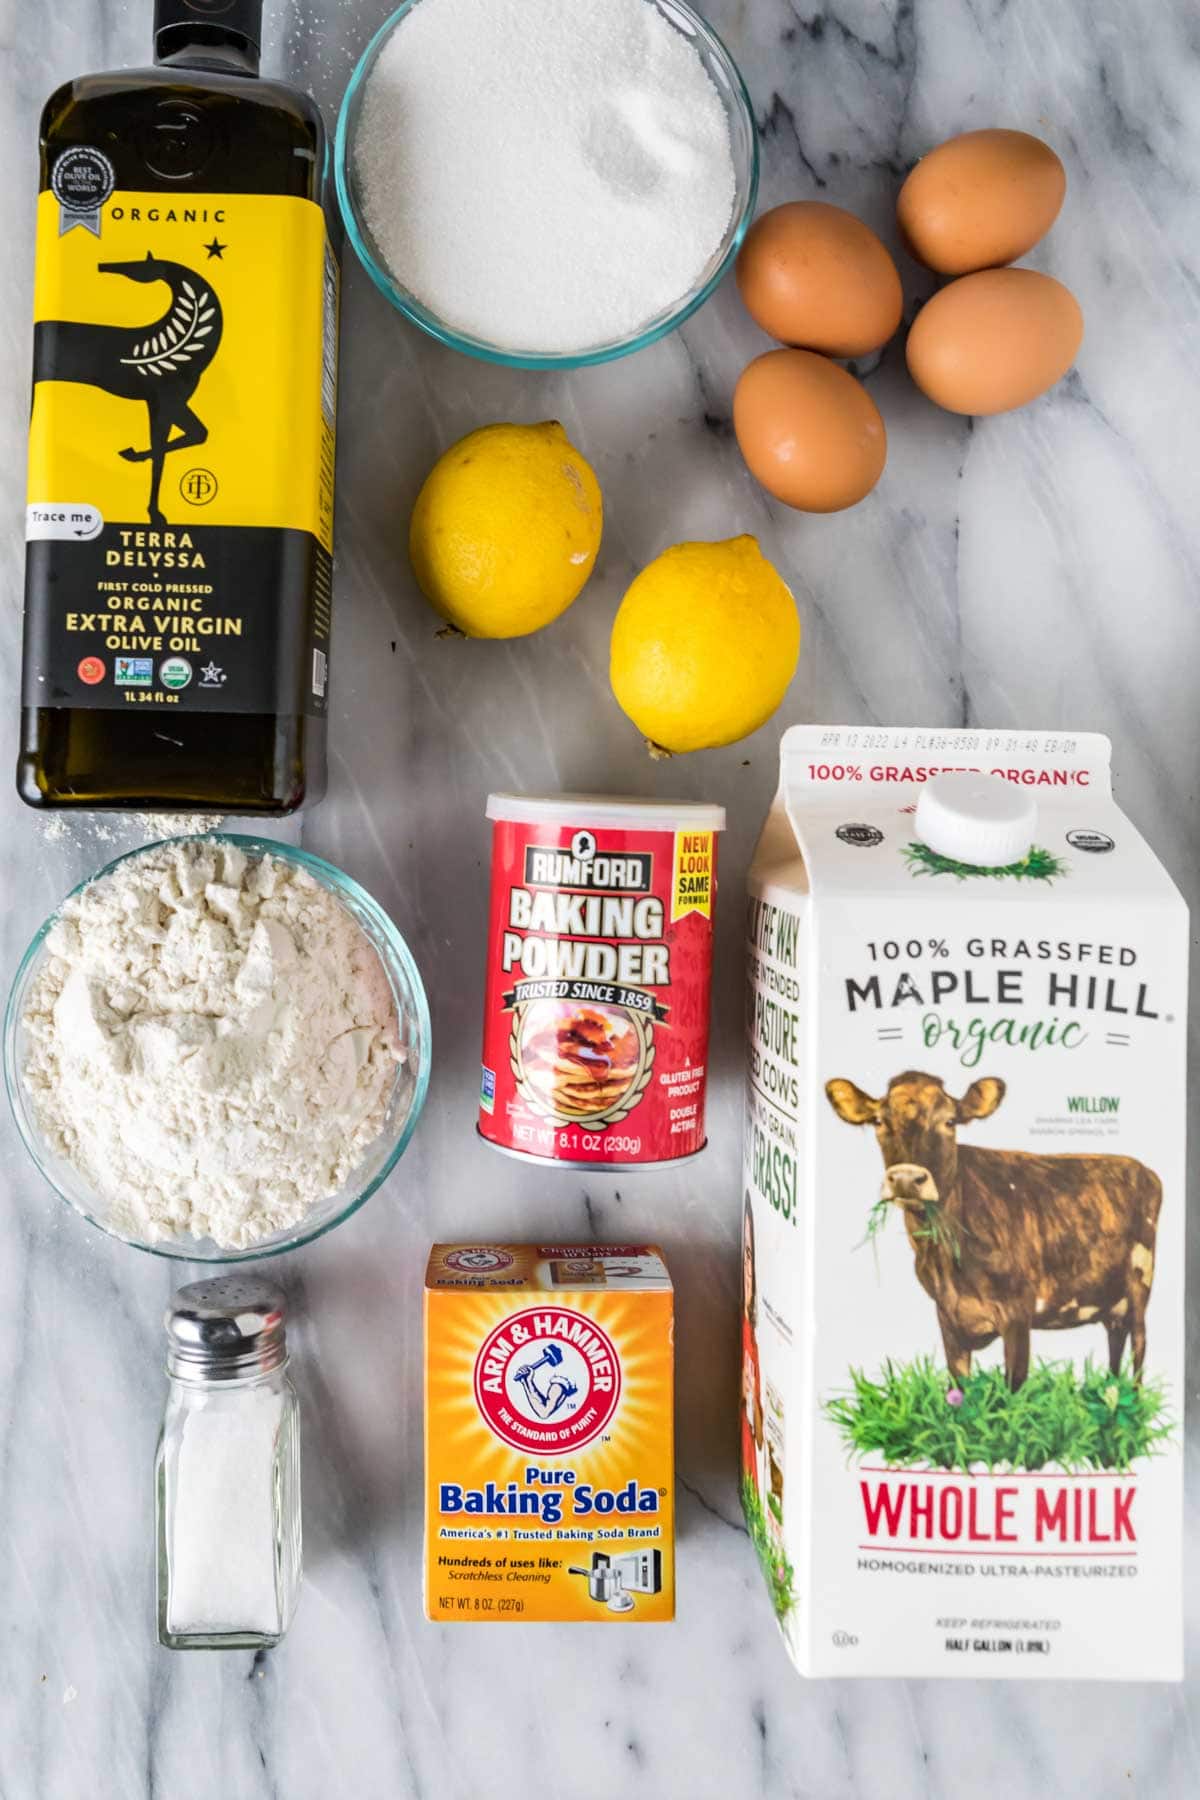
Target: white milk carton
<point>963,1228</point>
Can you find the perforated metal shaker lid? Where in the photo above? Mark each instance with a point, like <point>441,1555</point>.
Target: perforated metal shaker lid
<point>225,1329</point>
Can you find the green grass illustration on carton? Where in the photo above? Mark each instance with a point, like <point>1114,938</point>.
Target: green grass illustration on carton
<point>917,1414</point>
<point>938,1227</point>
<point>775,1565</point>
<point>1038,865</point>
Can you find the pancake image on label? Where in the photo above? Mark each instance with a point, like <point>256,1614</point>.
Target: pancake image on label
<point>578,1061</point>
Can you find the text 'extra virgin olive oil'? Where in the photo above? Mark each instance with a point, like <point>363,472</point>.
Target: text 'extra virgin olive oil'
<point>180,500</point>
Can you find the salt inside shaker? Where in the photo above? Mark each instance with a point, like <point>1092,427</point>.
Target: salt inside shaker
<point>227,1473</point>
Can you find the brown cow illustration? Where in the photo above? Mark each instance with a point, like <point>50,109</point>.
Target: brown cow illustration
<point>1017,1242</point>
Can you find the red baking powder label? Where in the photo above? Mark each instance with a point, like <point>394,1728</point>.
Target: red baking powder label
<point>595,1034</point>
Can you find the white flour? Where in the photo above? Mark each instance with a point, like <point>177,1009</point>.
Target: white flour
<point>545,174</point>
<point>212,1042</point>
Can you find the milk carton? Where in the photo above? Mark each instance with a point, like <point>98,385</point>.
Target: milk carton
<point>549,1440</point>
<point>963,1228</point>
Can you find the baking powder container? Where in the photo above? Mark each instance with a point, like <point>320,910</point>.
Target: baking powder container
<point>599,971</point>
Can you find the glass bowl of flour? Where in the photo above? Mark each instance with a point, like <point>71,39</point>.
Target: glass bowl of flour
<point>217,1048</point>
<point>545,184</point>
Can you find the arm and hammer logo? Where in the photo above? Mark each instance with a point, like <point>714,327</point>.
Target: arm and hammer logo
<point>134,671</point>
<point>479,1259</point>
<point>547,1379</point>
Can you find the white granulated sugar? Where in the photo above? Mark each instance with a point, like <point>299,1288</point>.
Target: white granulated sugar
<point>212,1042</point>
<point>544,174</point>
<point>222,1521</point>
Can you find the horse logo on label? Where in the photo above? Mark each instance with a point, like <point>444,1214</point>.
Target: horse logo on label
<point>160,363</point>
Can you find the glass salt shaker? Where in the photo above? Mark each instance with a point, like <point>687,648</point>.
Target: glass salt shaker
<point>227,1473</point>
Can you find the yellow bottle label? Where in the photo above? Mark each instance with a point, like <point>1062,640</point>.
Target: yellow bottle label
<point>180,496</point>
<point>193,341</point>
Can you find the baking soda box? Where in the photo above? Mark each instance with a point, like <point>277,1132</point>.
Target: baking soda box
<point>549,1436</point>
<point>962,1380</point>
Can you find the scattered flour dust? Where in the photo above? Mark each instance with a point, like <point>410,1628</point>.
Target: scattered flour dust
<point>168,825</point>
<point>60,827</point>
<point>212,1042</point>
<point>546,174</point>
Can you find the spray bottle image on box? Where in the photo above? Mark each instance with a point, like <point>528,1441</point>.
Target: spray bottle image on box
<point>180,496</point>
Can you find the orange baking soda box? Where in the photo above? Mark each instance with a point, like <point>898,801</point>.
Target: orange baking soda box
<point>549,1433</point>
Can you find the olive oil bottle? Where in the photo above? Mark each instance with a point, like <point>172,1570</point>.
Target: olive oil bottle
<point>180,499</point>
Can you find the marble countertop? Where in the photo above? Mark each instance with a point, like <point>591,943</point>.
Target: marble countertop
<point>1035,570</point>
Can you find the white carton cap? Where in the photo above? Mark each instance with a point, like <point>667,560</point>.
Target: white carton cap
<point>982,820</point>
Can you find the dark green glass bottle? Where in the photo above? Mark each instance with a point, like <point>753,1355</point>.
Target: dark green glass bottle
<point>180,502</point>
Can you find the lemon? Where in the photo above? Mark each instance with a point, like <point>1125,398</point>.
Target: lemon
<point>704,645</point>
<point>506,529</point>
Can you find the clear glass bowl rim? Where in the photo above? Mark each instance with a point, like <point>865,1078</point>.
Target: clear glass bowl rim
<point>341,884</point>
<point>428,322</point>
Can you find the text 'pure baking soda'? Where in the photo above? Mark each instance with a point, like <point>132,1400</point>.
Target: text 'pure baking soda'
<point>963,1228</point>
<point>599,970</point>
<point>549,1440</point>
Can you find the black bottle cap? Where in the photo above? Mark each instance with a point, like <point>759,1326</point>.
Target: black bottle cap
<point>203,25</point>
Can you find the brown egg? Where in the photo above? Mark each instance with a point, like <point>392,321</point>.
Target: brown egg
<point>980,200</point>
<point>994,340</point>
<point>810,433</point>
<point>814,275</point>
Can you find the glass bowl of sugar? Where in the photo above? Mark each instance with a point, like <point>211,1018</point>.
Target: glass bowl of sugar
<point>217,1048</point>
<point>546,185</point>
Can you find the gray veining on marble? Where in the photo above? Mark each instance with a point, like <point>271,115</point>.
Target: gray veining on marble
<point>1040,569</point>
